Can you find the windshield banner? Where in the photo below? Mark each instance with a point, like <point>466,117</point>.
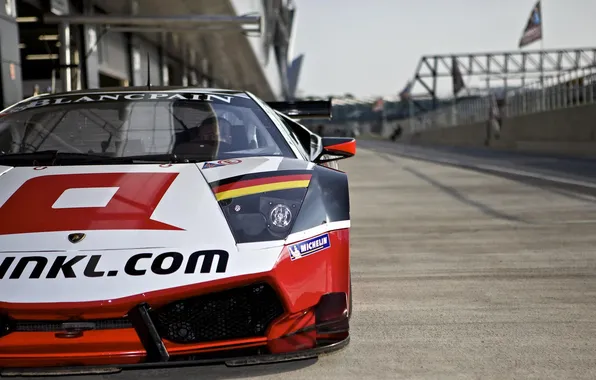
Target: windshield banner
<point>133,97</point>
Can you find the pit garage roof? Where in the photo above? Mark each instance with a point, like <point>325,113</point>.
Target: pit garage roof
<point>233,62</point>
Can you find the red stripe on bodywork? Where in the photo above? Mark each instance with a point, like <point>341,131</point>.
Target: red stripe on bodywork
<point>29,209</point>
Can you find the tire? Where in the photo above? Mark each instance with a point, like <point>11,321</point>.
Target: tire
<point>351,298</point>
<point>350,301</point>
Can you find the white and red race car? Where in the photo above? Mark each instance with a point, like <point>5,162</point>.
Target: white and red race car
<point>169,226</point>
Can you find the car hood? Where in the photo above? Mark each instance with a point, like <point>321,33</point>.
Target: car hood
<point>121,224</point>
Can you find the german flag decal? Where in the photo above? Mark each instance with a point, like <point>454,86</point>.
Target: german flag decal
<point>259,183</point>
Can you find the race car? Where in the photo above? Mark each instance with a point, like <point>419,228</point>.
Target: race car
<point>168,226</point>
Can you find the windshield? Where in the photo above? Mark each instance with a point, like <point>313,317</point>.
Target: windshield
<point>200,126</point>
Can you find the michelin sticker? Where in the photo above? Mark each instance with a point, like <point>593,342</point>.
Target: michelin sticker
<point>308,247</point>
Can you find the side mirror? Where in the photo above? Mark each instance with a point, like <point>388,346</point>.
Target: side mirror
<point>336,148</point>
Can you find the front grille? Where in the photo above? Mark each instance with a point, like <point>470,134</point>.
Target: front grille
<point>51,326</point>
<point>231,314</point>
<point>9,325</point>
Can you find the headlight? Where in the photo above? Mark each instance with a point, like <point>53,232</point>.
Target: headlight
<point>280,216</point>
<point>263,217</point>
<point>264,208</point>
<point>270,206</point>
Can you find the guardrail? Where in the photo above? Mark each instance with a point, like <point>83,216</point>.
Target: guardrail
<point>569,89</point>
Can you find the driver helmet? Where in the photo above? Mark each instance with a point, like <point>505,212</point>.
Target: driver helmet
<point>215,130</point>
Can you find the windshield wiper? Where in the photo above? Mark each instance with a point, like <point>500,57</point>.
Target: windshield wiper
<point>49,155</point>
<point>55,156</point>
<point>170,158</point>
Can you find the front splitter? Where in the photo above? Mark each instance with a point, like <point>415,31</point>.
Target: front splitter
<point>179,362</point>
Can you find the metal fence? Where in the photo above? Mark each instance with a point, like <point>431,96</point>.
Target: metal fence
<point>572,88</point>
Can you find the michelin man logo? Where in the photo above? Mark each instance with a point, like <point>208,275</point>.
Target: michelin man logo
<point>308,247</point>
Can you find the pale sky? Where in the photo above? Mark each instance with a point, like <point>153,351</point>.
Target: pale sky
<point>372,47</point>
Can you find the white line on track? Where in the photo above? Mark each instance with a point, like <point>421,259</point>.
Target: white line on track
<point>494,168</point>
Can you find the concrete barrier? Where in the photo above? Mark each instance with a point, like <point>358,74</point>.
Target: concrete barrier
<point>569,131</point>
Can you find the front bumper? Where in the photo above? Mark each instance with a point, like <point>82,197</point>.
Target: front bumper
<point>329,333</point>
<point>314,293</point>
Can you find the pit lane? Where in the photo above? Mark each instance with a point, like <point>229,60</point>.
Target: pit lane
<point>456,274</point>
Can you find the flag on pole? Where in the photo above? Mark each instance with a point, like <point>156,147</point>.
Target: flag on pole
<point>457,78</point>
<point>533,30</point>
<point>379,105</point>
<point>405,93</point>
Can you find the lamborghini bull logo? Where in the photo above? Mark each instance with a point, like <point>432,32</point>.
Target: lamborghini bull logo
<point>75,238</point>
<point>63,266</point>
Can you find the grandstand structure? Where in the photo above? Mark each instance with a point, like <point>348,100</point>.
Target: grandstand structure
<point>449,90</point>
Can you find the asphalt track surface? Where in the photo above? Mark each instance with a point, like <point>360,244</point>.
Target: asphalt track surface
<point>459,273</point>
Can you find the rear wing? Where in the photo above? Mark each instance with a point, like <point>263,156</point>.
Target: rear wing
<point>304,109</point>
